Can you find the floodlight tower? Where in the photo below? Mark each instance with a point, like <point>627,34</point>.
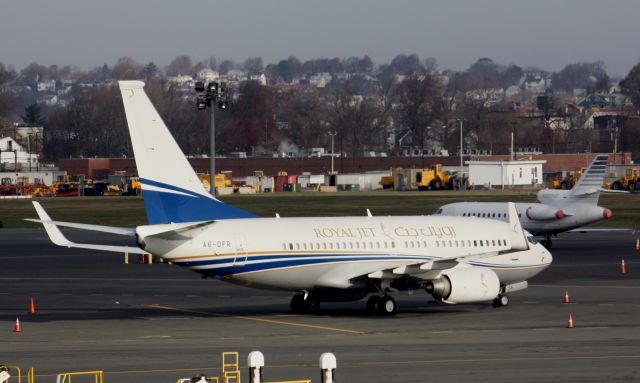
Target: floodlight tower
<point>214,96</point>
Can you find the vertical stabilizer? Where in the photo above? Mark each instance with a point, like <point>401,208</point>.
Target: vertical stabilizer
<point>171,189</point>
<point>590,183</point>
<point>518,236</point>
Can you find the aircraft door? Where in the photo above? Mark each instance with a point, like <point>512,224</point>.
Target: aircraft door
<point>241,250</point>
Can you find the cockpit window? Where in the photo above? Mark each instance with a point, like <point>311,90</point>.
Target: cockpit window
<point>531,239</point>
<point>439,211</point>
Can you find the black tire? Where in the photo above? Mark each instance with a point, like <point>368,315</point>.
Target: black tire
<point>616,186</point>
<point>312,305</point>
<point>632,186</point>
<point>435,184</point>
<point>565,185</point>
<point>387,306</point>
<point>297,304</point>
<point>501,301</point>
<point>373,304</point>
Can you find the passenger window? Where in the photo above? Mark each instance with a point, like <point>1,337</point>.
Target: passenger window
<point>330,246</point>
<point>378,244</point>
<point>357,245</point>
<point>305,246</point>
<point>493,242</point>
<point>393,244</point>
<point>324,245</point>
<point>475,243</point>
<point>437,243</point>
<point>291,246</point>
<point>424,243</point>
<point>406,244</point>
<point>386,245</point>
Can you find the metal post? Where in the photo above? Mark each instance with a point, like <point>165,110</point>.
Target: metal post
<point>212,164</point>
<point>332,134</point>
<point>461,163</point>
<point>29,150</point>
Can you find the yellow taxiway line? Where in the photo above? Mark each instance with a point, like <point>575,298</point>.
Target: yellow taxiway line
<point>262,320</point>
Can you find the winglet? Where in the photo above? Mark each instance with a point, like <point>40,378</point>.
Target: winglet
<point>54,233</point>
<point>518,237</point>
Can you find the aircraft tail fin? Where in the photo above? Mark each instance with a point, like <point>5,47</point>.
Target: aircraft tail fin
<point>171,189</point>
<point>590,183</point>
<point>518,236</point>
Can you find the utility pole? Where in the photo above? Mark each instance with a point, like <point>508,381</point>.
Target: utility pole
<point>332,134</point>
<point>461,181</point>
<point>214,97</point>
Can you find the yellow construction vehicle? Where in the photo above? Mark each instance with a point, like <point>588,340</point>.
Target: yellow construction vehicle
<point>433,178</point>
<point>220,179</point>
<point>630,181</point>
<point>568,181</point>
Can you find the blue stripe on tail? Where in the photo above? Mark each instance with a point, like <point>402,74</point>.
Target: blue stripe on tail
<point>166,207</point>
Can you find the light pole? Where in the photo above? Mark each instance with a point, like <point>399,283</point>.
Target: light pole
<point>215,96</point>
<point>461,181</point>
<point>333,135</point>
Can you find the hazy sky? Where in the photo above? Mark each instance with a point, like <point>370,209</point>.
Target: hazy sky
<point>543,33</point>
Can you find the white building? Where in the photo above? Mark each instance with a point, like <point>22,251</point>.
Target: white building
<point>207,75</point>
<point>505,173</point>
<point>14,156</point>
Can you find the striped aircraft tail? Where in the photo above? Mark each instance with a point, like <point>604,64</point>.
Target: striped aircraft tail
<point>171,189</point>
<point>590,183</point>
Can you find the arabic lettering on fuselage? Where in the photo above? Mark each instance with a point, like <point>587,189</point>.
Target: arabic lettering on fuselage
<point>399,231</point>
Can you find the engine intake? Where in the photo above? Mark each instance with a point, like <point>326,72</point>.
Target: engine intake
<point>465,285</point>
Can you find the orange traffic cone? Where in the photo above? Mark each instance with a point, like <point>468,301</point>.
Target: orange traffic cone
<point>32,306</point>
<point>566,297</point>
<point>637,244</point>
<point>17,328</point>
<point>570,323</point>
<point>623,268</point>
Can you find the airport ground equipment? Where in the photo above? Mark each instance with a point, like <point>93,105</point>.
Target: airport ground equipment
<point>630,181</point>
<point>434,178</point>
<point>568,181</point>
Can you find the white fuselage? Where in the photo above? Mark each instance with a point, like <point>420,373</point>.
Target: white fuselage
<point>577,214</point>
<point>332,252</point>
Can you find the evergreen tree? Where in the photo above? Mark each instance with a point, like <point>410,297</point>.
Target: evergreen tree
<point>33,115</point>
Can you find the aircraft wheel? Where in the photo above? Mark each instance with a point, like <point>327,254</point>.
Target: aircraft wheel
<point>501,301</point>
<point>373,304</point>
<point>312,305</point>
<point>387,306</point>
<point>297,304</point>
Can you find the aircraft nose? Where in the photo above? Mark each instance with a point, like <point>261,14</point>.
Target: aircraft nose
<point>547,258</point>
<point>607,214</point>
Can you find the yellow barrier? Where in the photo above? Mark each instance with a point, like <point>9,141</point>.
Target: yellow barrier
<point>31,375</point>
<point>19,373</point>
<point>66,376</point>
<point>230,367</point>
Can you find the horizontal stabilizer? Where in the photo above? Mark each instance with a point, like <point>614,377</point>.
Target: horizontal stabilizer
<point>59,239</point>
<point>129,232</point>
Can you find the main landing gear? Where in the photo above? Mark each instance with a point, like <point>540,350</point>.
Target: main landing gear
<point>304,304</point>
<point>501,301</point>
<point>381,305</point>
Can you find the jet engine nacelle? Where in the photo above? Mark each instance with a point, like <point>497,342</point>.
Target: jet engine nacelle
<point>465,285</point>
<point>539,212</point>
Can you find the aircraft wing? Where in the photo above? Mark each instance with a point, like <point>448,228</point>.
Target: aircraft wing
<point>598,230</point>
<point>59,239</point>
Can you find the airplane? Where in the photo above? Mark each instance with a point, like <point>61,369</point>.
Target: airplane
<point>320,259</point>
<point>557,210</point>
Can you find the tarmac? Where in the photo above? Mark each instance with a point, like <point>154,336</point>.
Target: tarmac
<point>156,323</point>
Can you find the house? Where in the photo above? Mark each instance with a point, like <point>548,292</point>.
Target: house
<point>14,156</point>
